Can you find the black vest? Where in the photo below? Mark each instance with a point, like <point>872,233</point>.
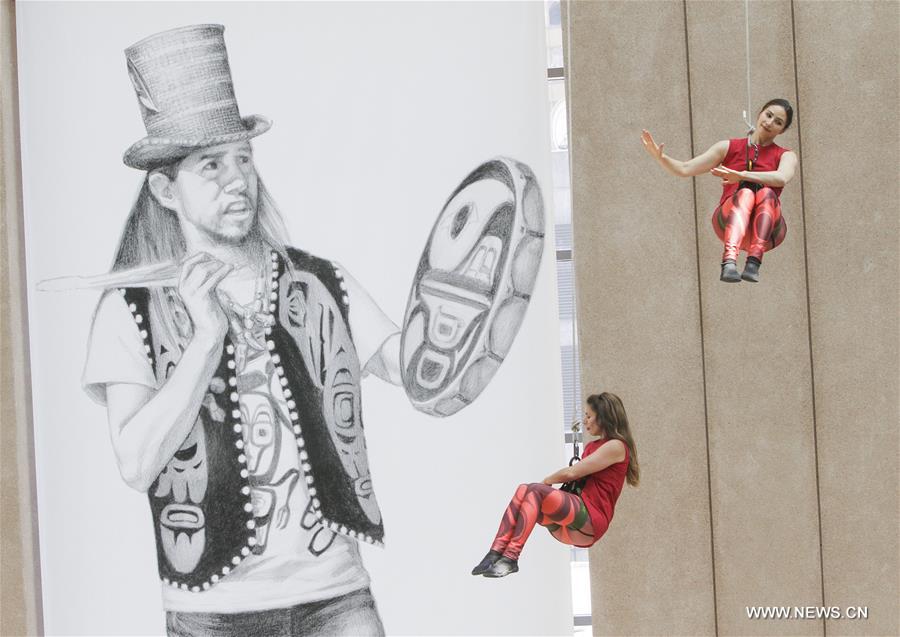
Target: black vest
<point>202,513</point>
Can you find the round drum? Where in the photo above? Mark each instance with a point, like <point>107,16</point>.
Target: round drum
<point>472,286</point>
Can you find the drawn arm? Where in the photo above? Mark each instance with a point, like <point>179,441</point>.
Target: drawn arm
<point>691,168</point>
<point>375,336</point>
<point>147,428</point>
<point>385,363</point>
<point>608,454</point>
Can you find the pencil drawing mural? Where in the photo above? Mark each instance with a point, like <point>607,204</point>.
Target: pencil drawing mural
<point>230,362</point>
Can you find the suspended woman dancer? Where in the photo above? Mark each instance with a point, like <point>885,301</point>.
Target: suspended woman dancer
<point>577,520</point>
<point>753,170</point>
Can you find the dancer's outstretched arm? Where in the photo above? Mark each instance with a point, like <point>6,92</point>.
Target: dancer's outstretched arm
<point>690,168</point>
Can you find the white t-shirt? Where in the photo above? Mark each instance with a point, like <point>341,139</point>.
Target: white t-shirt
<point>301,561</point>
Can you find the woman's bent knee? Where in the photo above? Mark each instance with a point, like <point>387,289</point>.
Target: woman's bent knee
<point>765,193</point>
<point>743,197</point>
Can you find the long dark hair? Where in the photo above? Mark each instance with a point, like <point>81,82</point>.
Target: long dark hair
<point>788,110</point>
<point>153,234</point>
<point>611,416</point>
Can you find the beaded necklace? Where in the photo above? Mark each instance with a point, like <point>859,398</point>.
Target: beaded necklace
<point>249,321</point>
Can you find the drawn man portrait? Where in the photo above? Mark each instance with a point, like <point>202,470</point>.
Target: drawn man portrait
<point>231,380</point>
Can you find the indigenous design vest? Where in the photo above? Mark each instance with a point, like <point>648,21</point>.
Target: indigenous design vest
<point>202,512</point>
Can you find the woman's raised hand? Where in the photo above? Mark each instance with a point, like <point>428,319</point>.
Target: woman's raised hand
<point>727,175</point>
<point>200,275</point>
<point>654,150</point>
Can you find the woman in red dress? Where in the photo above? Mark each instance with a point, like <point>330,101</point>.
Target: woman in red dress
<point>753,171</point>
<point>577,520</point>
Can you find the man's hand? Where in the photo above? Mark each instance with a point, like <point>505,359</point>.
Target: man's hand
<point>200,275</point>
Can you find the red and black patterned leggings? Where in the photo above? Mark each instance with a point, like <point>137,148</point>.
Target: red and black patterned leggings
<point>563,513</point>
<point>758,212</point>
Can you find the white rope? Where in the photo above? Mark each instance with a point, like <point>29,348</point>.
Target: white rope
<point>567,74</point>
<point>749,110</point>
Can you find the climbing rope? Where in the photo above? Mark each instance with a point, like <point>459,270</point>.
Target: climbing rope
<point>568,74</point>
<point>750,126</point>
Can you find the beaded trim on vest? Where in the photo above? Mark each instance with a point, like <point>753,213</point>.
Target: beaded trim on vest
<point>201,502</point>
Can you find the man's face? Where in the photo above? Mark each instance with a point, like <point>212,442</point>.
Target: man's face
<point>216,191</point>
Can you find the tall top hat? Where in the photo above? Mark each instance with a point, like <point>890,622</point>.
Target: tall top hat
<point>184,89</point>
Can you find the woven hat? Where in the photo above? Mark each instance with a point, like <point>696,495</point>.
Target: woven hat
<point>184,90</point>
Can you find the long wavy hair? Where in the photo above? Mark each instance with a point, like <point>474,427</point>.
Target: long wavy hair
<point>153,234</point>
<point>611,416</point>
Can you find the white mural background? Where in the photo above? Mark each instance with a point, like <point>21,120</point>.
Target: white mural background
<point>379,110</point>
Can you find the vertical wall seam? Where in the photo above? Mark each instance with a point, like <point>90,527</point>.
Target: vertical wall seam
<point>712,544</point>
<point>812,369</point>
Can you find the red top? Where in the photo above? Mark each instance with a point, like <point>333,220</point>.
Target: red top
<point>736,159</point>
<point>602,489</point>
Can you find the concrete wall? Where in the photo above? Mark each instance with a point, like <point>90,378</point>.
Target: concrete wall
<point>766,415</point>
<point>19,603</point>
<point>848,55</point>
<point>640,331</point>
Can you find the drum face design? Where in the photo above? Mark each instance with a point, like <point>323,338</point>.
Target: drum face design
<point>472,286</point>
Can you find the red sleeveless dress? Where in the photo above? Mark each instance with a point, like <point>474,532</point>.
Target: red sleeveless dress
<point>736,159</point>
<point>602,489</point>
